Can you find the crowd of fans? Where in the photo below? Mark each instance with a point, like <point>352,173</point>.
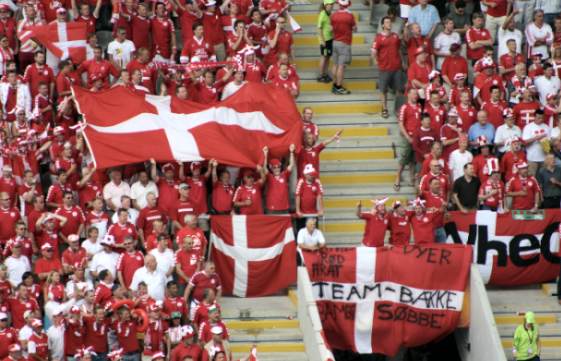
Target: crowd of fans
<point>113,264</point>
<point>479,120</point>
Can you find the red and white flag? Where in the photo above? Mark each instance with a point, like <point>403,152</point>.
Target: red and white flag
<point>375,300</point>
<point>509,252</point>
<point>64,40</point>
<point>126,127</point>
<point>254,255</point>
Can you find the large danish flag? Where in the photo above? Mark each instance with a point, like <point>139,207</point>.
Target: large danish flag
<point>123,126</point>
<point>64,40</point>
<point>376,300</point>
<point>254,255</point>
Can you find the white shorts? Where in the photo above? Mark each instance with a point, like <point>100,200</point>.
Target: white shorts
<point>404,10</point>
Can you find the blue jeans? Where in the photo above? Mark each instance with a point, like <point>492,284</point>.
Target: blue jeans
<point>132,357</point>
<point>440,235</point>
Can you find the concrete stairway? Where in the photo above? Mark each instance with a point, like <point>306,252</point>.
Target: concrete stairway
<point>507,304</point>
<point>362,165</point>
<point>271,324</point>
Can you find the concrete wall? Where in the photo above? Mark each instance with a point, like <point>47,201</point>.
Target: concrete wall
<point>482,340</point>
<point>310,323</point>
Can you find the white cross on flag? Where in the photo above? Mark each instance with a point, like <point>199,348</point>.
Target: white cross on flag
<point>254,255</point>
<point>375,300</point>
<point>123,126</point>
<point>64,40</point>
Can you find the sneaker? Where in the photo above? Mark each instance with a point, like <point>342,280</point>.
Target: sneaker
<point>328,79</point>
<point>320,79</point>
<point>342,91</point>
<point>334,89</point>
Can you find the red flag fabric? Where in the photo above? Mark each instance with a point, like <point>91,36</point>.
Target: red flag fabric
<point>254,255</point>
<point>64,40</point>
<point>126,127</point>
<point>509,252</point>
<point>375,300</point>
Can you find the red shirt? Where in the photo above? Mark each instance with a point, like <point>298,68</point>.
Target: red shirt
<point>141,28</point>
<point>102,295</point>
<point>473,35</point>
<point>423,228</point>
<point>181,209</point>
<point>9,186</point>
<point>466,117</point>
<point>34,75</point>
<point>452,65</point>
<point>375,231</point>
<point>89,192</point>
<point>197,47</point>
<point>484,84</point>
<point>201,313</point>
<point>508,61</point>
<point>499,10</point>
<point>416,42</point>
<point>283,45</point>
<point>525,113</point>
<point>343,22</point>
<point>8,336</point>
<point>18,308</point>
<point>168,194</point>
<point>437,115</point>
<point>204,331</point>
<point>419,72</point>
<point>188,262</point>
<point>424,184</point>
<point>481,166</point>
<point>89,21</point>
<point>277,191</point>
<point>455,95</point>
<point>255,72</point>
<point>75,218</point>
<point>197,194</point>
<point>308,194</point>
<point>126,336</point>
<point>181,351</point>
<point>9,28</point>
<point>52,238</point>
<point>422,142</point>
<point>198,236</point>
<point>447,132</point>
<point>487,188</point>
<point>8,219</point>
<point>40,340</point>
<point>254,193</point>
<point>530,185</point>
<point>96,334</point>
<point>102,68</point>
<point>388,49</point>
<point>162,31</point>
<point>400,230</point>
<point>410,116</point>
<point>212,21</point>
<point>201,281</point>
<point>75,258</point>
<point>120,231</point>
<point>175,304</point>
<point>147,216</point>
<point>509,161</point>
<point>148,72</point>
<point>495,112</point>
<point>154,340</point>
<point>222,197</point>
<point>73,337</point>
<point>309,156</point>
<point>435,201</point>
<point>128,263</point>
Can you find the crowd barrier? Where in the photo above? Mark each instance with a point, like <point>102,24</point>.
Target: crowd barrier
<point>309,320</point>
<point>481,341</point>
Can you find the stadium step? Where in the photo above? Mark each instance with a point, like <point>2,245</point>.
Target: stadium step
<point>268,322</point>
<point>353,85</point>
<point>509,305</point>
<point>312,40</point>
<point>311,17</point>
<point>312,61</point>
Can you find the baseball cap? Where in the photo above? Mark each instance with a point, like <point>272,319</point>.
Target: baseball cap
<point>522,165</point>
<point>328,2</point>
<point>187,332</point>
<point>167,166</point>
<point>274,162</point>
<point>108,240</point>
<point>309,170</point>
<point>73,238</point>
<point>61,10</point>
<point>3,316</point>
<point>344,3</point>
<point>158,355</point>
<point>46,246</point>
<point>36,322</point>
<point>530,317</point>
<point>6,168</point>
<point>184,186</point>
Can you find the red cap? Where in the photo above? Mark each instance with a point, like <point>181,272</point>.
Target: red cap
<point>247,172</point>
<point>167,166</point>
<point>521,165</point>
<point>4,7</point>
<point>419,50</point>
<point>74,310</point>
<point>275,162</point>
<point>196,165</point>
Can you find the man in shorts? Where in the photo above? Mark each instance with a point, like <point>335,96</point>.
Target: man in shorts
<point>387,55</point>
<point>409,120</point>
<point>344,24</point>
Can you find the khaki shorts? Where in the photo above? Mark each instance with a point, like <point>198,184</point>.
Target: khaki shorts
<point>341,53</point>
<point>405,152</point>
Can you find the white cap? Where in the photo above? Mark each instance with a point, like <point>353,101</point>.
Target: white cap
<point>3,315</point>
<point>216,330</point>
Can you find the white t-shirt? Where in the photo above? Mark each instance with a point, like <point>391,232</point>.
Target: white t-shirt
<point>231,88</point>
<point>457,161</point>
<point>139,192</point>
<point>314,239</point>
<point>546,86</point>
<point>115,192</point>
<point>104,260</point>
<point>555,133</point>
<point>92,248</point>
<point>156,282</point>
<point>133,215</point>
<point>165,260</point>
<point>533,33</point>
<point>442,44</point>
<point>506,35</point>
<point>534,150</point>
<point>504,133</point>
<point>16,268</point>
<point>121,52</point>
